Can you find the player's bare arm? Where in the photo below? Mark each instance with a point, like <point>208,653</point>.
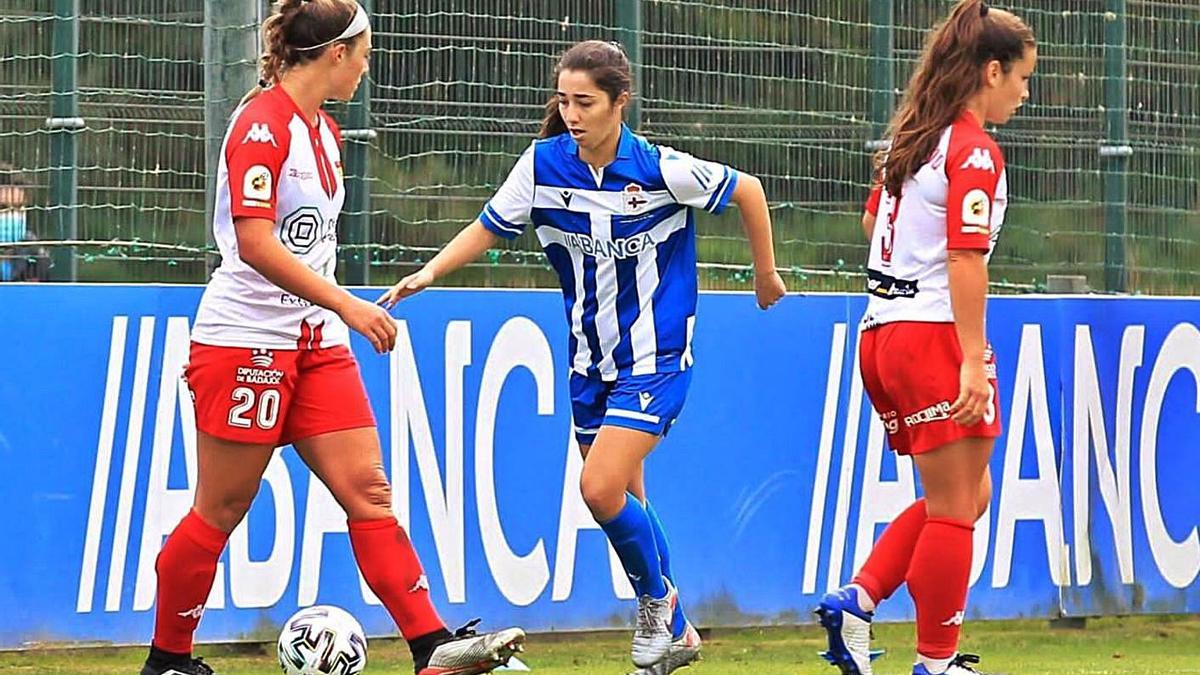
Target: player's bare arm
<point>756,220</point>
<point>967,270</point>
<point>470,243</point>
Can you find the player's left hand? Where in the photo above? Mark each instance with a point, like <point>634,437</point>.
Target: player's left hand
<point>768,289</point>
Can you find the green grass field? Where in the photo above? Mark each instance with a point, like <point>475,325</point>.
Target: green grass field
<point>1160,644</point>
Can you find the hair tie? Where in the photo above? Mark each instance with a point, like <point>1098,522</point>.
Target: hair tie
<point>983,9</point>
<point>262,82</point>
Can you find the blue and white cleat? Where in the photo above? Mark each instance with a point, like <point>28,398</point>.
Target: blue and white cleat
<point>960,665</point>
<point>849,630</point>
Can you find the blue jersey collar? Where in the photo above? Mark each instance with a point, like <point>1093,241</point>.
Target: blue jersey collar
<point>624,145</point>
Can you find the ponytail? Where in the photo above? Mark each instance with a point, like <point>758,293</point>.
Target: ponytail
<point>298,31</point>
<point>948,75</point>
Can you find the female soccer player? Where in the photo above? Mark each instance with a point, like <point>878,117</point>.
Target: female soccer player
<point>614,215</point>
<point>269,361</point>
<point>926,362</point>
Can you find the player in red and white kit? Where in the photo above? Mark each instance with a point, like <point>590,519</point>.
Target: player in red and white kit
<point>270,363</point>
<point>926,364</point>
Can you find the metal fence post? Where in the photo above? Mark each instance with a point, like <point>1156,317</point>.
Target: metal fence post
<point>64,122</point>
<point>629,34</point>
<point>356,258</point>
<point>230,70</point>
<point>1116,151</point>
<point>883,68</point>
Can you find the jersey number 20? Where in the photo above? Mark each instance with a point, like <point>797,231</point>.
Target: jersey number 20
<point>266,411</point>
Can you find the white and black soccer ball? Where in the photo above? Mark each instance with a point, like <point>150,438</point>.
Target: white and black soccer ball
<point>322,640</point>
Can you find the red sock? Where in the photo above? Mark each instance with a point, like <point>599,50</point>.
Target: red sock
<point>392,570</point>
<point>186,567</point>
<point>937,580</point>
<point>888,562</point>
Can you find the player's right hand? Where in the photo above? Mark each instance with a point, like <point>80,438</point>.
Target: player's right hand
<point>409,285</point>
<point>372,321</point>
<point>973,393</point>
<point>768,289</point>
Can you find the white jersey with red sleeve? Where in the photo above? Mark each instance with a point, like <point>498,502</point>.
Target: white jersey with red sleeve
<point>956,200</point>
<point>275,165</point>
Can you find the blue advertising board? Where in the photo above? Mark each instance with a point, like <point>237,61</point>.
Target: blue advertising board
<point>773,484</point>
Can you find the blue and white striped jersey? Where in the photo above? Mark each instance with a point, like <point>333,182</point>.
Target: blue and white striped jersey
<point>622,240</point>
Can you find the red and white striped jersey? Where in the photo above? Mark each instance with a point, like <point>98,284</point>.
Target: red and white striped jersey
<point>274,165</point>
<point>956,200</point>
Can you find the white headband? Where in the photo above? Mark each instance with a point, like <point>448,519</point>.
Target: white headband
<point>358,24</point>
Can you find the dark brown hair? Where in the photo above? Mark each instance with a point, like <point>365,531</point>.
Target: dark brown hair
<point>949,74</point>
<point>294,26</point>
<point>605,62</point>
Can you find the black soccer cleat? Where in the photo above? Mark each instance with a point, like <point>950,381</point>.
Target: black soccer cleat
<point>189,666</point>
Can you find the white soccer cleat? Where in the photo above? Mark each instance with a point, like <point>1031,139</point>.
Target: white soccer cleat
<point>468,654</point>
<point>684,652</point>
<point>652,637</point>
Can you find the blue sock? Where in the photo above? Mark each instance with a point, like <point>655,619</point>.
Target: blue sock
<point>678,620</point>
<point>632,536</point>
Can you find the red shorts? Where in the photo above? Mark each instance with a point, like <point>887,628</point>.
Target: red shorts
<point>276,396</point>
<point>911,372</point>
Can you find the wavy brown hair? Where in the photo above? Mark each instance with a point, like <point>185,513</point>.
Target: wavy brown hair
<point>605,62</point>
<point>949,74</point>
<point>295,25</point>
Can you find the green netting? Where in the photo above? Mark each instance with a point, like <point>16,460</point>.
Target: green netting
<point>778,88</point>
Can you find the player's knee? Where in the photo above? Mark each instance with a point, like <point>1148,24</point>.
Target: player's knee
<point>959,505</point>
<point>373,498</point>
<point>604,498</point>
<point>226,511</point>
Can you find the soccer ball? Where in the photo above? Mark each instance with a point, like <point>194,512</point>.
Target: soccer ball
<point>322,640</point>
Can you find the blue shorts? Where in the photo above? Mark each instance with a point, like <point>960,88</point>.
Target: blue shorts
<point>648,403</point>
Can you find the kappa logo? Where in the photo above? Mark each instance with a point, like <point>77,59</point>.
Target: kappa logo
<point>421,585</point>
<point>193,613</point>
<point>956,620</point>
<point>981,158</point>
<point>644,400</point>
<point>567,195</point>
<point>259,133</point>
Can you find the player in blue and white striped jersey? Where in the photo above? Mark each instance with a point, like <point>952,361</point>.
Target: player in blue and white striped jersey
<point>614,213</point>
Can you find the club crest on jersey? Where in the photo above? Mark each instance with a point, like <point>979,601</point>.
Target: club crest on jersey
<point>259,133</point>
<point>256,185</point>
<point>633,199</point>
<point>981,158</point>
<point>976,212</point>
